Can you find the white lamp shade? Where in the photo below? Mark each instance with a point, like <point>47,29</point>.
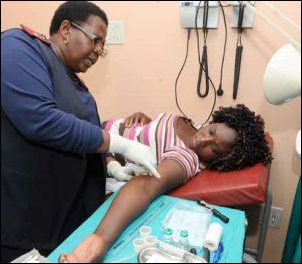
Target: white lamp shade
<point>282,80</point>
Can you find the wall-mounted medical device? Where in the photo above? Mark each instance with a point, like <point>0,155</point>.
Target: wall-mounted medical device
<point>188,14</point>
<point>248,16</point>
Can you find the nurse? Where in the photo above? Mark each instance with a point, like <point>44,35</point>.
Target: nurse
<point>52,145</point>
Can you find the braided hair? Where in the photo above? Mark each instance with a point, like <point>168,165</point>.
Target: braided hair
<point>250,146</point>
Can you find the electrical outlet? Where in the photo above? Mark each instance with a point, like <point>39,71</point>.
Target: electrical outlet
<point>115,33</point>
<point>275,216</point>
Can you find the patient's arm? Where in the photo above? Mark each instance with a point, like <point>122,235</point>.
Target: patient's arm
<point>131,202</point>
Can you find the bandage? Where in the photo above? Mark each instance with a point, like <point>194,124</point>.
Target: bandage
<point>213,236</point>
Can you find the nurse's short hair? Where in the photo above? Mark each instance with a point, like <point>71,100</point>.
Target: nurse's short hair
<point>75,11</point>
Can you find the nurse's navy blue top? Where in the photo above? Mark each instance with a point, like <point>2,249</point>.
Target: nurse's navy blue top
<point>32,107</point>
<point>52,179</point>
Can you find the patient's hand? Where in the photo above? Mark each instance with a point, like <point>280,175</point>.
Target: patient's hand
<point>89,250</point>
<point>137,118</point>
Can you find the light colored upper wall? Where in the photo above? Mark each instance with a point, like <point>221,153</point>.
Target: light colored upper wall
<point>140,76</point>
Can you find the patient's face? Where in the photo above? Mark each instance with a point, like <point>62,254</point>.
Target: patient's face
<point>213,141</point>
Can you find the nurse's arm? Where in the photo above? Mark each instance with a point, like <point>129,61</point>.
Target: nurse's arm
<point>104,147</point>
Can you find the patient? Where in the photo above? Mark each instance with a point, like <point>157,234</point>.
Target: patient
<point>233,140</point>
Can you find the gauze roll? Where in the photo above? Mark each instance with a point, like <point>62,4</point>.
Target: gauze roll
<point>213,236</point>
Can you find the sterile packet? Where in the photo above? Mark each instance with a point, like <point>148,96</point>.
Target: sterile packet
<point>190,217</point>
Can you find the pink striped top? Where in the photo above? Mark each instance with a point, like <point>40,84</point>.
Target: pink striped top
<point>160,135</point>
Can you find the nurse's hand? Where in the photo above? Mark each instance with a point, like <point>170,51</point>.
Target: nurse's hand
<point>123,173</point>
<point>137,152</point>
<point>137,118</point>
<point>119,172</point>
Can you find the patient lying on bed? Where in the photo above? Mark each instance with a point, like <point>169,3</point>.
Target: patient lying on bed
<point>233,140</point>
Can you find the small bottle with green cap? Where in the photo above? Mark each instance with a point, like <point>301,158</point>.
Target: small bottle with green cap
<point>184,240</point>
<point>168,236</point>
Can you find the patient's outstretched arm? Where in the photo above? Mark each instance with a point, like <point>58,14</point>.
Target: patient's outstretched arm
<point>131,202</point>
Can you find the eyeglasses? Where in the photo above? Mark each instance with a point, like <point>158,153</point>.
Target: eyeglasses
<point>97,43</point>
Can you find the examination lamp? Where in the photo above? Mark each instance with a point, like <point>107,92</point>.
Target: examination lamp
<point>282,79</point>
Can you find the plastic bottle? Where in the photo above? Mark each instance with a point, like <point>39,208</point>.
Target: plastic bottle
<point>184,241</point>
<point>168,236</point>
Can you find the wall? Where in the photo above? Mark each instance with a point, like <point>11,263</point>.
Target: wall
<point>140,76</point>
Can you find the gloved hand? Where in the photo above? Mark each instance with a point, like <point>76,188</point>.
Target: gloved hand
<point>137,152</point>
<point>123,173</point>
